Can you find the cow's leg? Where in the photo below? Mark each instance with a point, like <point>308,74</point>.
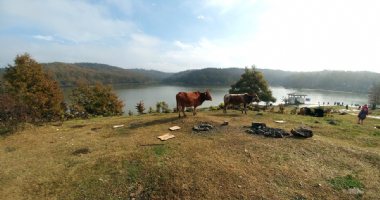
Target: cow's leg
<point>179,110</point>
<point>225,107</point>
<point>245,108</point>
<point>195,111</point>
<point>183,111</point>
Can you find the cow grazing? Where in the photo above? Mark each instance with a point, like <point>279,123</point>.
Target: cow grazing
<point>237,99</point>
<point>191,99</point>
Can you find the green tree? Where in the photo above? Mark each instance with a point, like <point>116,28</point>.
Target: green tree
<point>374,95</point>
<point>37,92</point>
<point>140,107</point>
<point>97,100</point>
<point>253,81</point>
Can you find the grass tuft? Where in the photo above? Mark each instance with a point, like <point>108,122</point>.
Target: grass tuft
<point>346,182</point>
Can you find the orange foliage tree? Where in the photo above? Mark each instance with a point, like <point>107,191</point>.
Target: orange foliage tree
<point>34,90</point>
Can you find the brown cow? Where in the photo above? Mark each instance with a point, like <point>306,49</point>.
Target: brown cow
<point>237,99</point>
<point>191,99</point>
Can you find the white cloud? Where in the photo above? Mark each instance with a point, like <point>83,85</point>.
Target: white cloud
<point>291,35</point>
<point>44,37</point>
<point>75,21</point>
<point>300,36</point>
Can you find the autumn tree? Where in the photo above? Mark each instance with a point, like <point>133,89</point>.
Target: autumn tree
<point>97,100</point>
<point>33,90</point>
<point>253,81</point>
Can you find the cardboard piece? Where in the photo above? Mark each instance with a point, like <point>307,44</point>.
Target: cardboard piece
<point>173,128</point>
<point>165,136</point>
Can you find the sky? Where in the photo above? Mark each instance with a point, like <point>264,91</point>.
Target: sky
<point>176,35</point>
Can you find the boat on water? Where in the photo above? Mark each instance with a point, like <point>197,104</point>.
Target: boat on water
<point>296,99</point>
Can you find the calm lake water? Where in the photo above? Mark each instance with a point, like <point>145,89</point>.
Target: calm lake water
<point>150,95</point>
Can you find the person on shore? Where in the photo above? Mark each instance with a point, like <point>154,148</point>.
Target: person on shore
<point>362,114</point>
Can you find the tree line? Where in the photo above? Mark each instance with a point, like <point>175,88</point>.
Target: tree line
<point>68,75</point>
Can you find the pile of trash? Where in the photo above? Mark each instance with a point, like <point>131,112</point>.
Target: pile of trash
<point>262,129</point>
<point>203,127</point>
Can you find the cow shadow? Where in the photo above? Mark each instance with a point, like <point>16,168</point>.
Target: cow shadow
<point>136,125</point>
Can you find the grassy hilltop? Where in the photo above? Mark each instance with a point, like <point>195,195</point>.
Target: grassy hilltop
<point>89,159</point>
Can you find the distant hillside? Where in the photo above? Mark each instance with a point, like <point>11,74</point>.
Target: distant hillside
<point>327,80</point>
<point>332,80</point>
<point>69,74</point>
<point>153,74</point>
<point>207,76</point>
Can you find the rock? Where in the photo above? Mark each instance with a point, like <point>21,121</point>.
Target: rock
<point>354,191</point>
<point>302,132</point>
<point>225,123</point>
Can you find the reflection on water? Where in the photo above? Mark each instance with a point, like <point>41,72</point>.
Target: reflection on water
<point>150,95</point>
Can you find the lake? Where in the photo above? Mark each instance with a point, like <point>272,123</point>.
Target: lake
<point>150,95</point>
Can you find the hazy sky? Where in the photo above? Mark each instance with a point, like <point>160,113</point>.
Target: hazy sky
<point>174,35</point>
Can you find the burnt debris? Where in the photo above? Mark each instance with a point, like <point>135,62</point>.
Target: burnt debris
<point>262,129</point>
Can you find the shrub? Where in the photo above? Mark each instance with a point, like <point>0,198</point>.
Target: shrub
<point>140,107</point>
<point>151,110</point>
<point>130,113</point>
<point>165,107</point>
<point>158,107</point>
<point>98,100</point>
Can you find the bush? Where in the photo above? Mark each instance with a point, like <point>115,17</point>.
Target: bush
<point>32,94</point>
<point>12,114</point>
<point>140,107</point>
<point>98,100</point>
<point>165,107</point>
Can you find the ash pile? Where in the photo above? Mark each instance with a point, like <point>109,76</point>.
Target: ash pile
<point>262,129</point>
<point>203,127</point>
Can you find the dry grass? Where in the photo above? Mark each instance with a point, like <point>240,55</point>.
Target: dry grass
<point>88,159</point>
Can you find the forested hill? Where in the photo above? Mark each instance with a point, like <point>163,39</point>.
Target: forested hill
<point>207,76</point>
<point>330,80</point>
<point>68,74</point>
<point>327,80</point>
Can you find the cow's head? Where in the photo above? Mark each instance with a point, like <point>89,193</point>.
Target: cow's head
<point>207,95</point>
<point>255,98</point>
